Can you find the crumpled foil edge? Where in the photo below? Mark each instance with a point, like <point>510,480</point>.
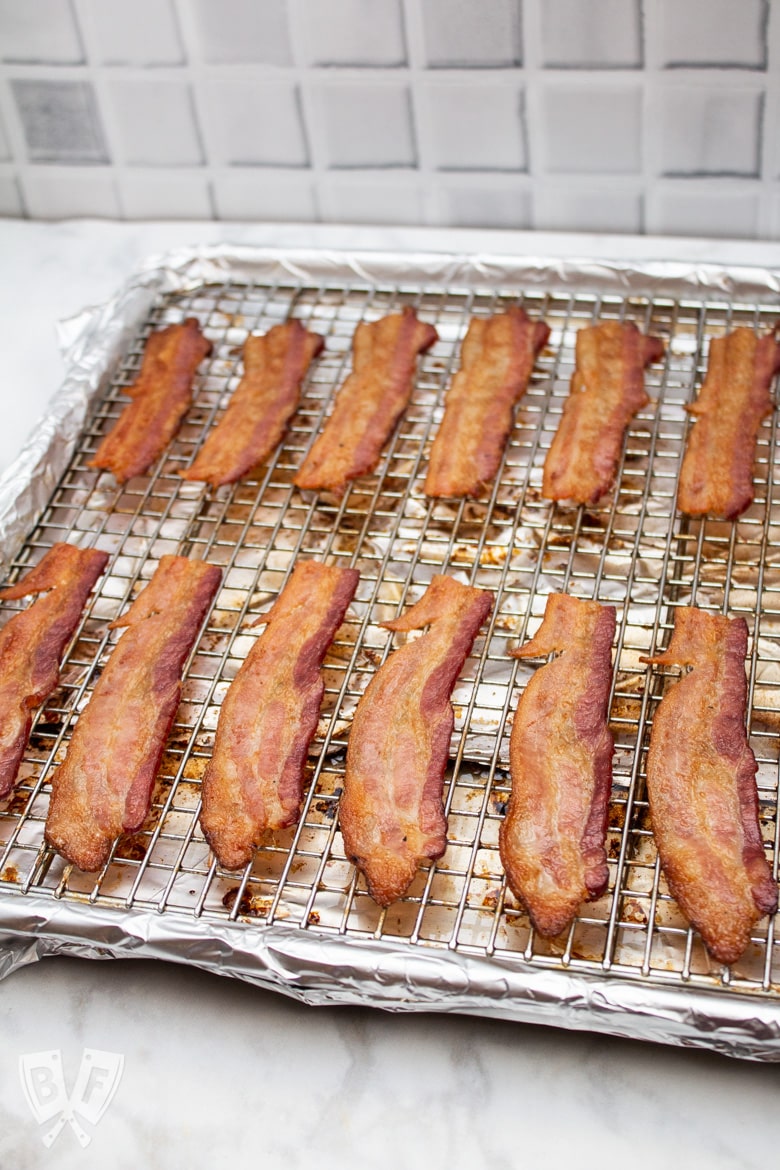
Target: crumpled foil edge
<point>311,966</point>
<point>320,969</point>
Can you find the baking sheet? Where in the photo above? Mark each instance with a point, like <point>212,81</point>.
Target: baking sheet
<point>298,919</point>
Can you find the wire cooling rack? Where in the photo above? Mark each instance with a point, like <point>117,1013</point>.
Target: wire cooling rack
<point>634,551</point>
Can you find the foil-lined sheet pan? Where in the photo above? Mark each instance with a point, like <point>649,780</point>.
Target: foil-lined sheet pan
<point>298,919</point>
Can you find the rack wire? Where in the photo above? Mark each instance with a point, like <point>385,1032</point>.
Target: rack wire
<point>633,550</point>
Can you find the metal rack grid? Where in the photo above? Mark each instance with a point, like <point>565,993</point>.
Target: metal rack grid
<point>632,550</point>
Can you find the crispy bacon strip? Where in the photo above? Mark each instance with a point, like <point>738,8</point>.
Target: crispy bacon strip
<point>264,402</point>
<point>161,396</point>
<point>32,642</point>
<point>702,789</point>
<point>497,358</point>
<point>717,471</point>
<point>254,780</point>
<point>104,786</point>
<point>607,390</point>
<point>552,840</point>
<point>391,813</point>
<point>369,403</point>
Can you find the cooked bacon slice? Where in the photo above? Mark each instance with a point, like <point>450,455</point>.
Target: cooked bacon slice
<point>161,396</point>
<point>254,780</point>
<point>391,813</point>
<point>32,642</point>
<point>369,403</point>
<point>607,390</point>
<point>702,789</point>
<point>104,786</point>
<point>717,471</point>
<point>497,358</point>
<point>264,402</point>
<point>552,839</point>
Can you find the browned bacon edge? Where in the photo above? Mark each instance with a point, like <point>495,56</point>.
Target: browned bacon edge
<point>262,405</point>
<point>104,786</point>
<point>255,778</point>
<point>702,788</point>
<point>497,358</point>
<point>607,390</point>
<point>32,642</point>
<point>716,476</point>
<point>161,396</point>
<point>370,402</point>
<point>391,813</point>
<point>552,841</point>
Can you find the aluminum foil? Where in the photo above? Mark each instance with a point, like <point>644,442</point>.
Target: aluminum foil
<point>315,966</point>
<point>319,970</point>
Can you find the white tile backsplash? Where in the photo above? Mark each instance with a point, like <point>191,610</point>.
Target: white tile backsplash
<point>713,32</point>
<point>476,127</point>
<point>353,32</point>
<point>254,123</point>
<point>460,32</point>
<point>598,34</point>
<point>709,130</point>
<point>159,195</point>
<point>592,129</point>
<point>682,211</point>
<point>376,199</point>
<point>246,194</point>
<point>575,207</point>
<point>240,31</point>
<point>42,31</point>
<point>605,115</point>
<point>478,205</point>
<point>61,193</point>
<point>155,123</point>
<point>123,33</point>
<point>60,121</point>
<point>365,124</point>
<point>10,196</point>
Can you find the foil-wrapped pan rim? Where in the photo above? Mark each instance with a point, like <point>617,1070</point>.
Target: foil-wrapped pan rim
<point>320,969</point>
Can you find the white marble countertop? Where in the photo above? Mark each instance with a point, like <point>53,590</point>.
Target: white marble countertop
<point>217,1071</point>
